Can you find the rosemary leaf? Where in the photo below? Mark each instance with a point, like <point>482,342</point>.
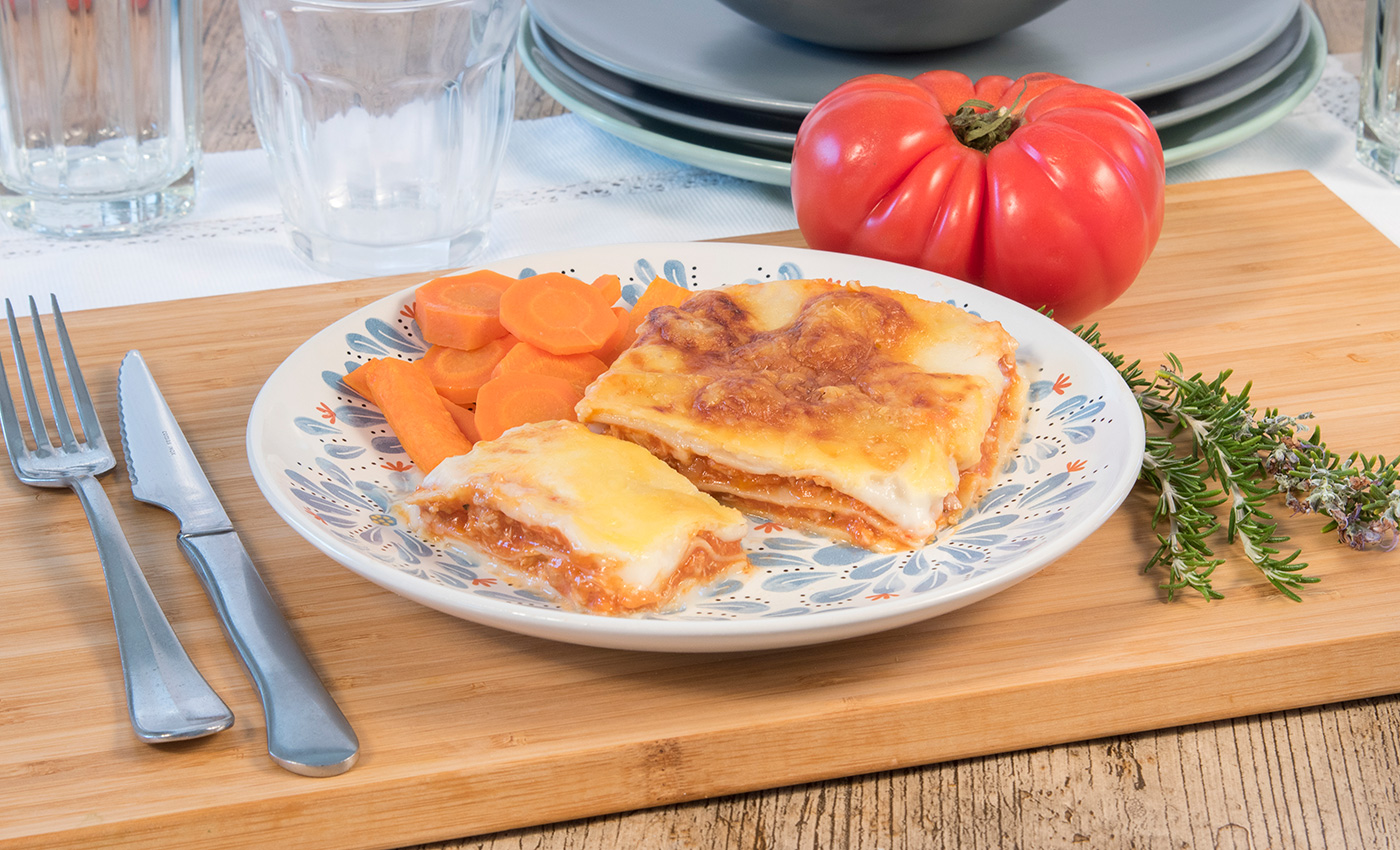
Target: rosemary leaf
<point>1208,447</point>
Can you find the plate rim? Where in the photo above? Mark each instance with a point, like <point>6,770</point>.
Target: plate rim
<point>1299,30</point>
<point>1313,57</point>
<point>718,127</point>
<point>774,172</point>
<point>682,635</point>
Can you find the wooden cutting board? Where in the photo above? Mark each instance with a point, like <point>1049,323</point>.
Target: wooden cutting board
<point>468,730</point>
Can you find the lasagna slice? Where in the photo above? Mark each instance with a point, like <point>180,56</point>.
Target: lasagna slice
<point>594,521</point>
<point>868,415</point>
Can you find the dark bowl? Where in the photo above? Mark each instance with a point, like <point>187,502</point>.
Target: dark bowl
<point>890,26</point>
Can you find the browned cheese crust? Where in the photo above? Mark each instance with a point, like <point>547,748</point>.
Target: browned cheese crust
<point>839,373</point>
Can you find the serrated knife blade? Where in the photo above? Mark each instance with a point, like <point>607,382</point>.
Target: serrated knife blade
<point>159,460</point>
<point>306,731</point>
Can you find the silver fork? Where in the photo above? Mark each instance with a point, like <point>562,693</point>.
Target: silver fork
<point>167,698</point>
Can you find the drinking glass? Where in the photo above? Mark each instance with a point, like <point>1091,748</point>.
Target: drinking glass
<point>385,122</point>
<point>99,114</point>
<point>1378,130</point>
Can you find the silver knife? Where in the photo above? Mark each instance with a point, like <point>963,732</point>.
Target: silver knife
<point>306,731</point>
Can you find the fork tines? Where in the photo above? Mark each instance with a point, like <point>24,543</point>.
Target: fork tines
<point>87,417</point>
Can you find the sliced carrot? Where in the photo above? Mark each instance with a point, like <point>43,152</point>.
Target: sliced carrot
<point>461,311</point>
<point>358,380</point>
<point>488,278</point>
<point>620,338</point>
<point>415,412</point>
<point>465,419</point>
<point>558,313</point>
<point>518,398</point>
<point>610,285</point>
<point>659,293</point>
<point>458,374</point>
<point>577,369</point>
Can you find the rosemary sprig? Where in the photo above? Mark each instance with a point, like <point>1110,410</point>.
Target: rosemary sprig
<point>1208,447</point>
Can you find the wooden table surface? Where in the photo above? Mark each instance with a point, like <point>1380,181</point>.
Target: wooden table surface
<point>1317,777</point>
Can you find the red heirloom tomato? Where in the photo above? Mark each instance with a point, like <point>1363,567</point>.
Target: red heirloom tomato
<point>1049,192</point>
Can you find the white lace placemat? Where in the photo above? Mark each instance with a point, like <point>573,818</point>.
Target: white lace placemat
<point>564,184</point>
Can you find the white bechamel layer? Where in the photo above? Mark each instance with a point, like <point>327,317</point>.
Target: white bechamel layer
<point>894,495</point>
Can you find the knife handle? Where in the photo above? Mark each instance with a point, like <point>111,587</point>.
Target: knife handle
<point>306,731</point>
<point>167,698</point>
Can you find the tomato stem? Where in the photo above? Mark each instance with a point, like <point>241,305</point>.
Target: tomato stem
<point>981,127</point>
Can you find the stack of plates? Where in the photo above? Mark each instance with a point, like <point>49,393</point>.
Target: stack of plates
<point>694,80</point>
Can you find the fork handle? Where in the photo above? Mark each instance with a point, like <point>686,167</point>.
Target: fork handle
<point>166,696</point>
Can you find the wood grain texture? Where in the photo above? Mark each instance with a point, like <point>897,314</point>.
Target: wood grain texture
<point>467,730</point>
<point>1341,22</point>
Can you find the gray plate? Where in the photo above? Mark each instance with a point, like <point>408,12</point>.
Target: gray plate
<point>735,157</point>
<point>1198,137</point>
<point>772,128</point>
<point>1251,115</point>
<point>700,48</point>
<point>1191,101</point>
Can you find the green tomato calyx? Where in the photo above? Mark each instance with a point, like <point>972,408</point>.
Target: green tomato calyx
<point>980,126</point>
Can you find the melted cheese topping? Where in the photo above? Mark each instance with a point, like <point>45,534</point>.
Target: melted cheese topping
<point>614,505</point>
<point>874,393</point>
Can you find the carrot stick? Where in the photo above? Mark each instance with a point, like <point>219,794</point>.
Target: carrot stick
<point>358,380</point>
<point>415,412</point>
<point>461,311</point>
<point>465,419</point>
<point>518,398</point>
<point>610,286</point>
<point>660,292</point>
<point>458,374</point>
<point>578,369</point>
<point>558,313</point>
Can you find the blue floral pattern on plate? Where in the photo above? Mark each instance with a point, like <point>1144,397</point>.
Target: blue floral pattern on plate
<point>328,463</point>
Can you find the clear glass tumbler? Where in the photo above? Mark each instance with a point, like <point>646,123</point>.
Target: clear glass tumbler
<point>1378,130</point>
<point>385,122</point>
<point>99,113</point>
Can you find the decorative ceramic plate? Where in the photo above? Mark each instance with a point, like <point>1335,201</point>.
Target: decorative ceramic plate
<point>329,466</point>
